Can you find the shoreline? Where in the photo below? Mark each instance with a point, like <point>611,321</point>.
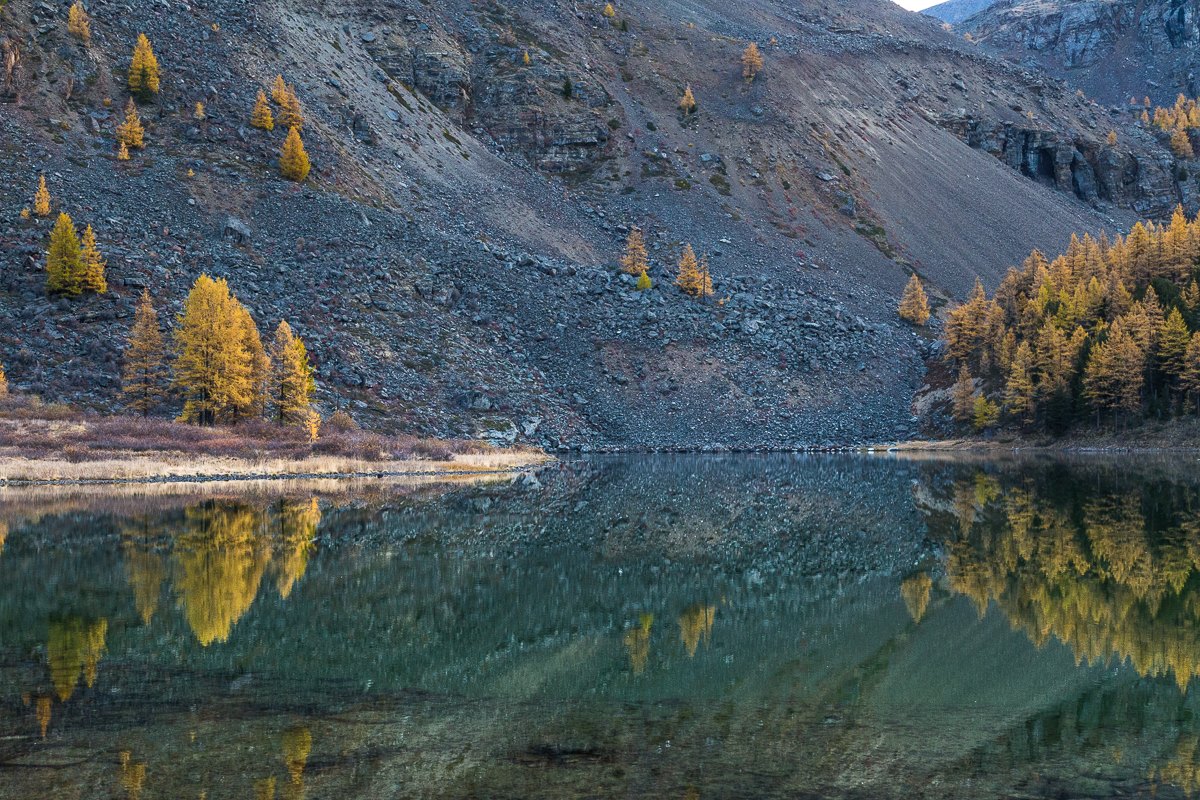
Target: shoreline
<point>176,469</point>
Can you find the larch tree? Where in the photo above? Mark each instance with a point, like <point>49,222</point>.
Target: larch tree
<point>1112,139</point>
<point>64,258</point>
<point>1114,376</point>
<point>130,132</point>
<point>985,413</point>
<point>752,62</point>
<point>293,160</point>
<point>609,11</point>
<point>690,278</point>
<point>143,69</point>
<point>1189,381</point>
<point>291,113</point>
<point>41,198</point>
<point>687,103</point>
<point>261,116</point>
<point>212,367</point>
<point>259,364</point>
<point>635,260</point>
<point>962,405</point>
<point>1173,340</point>
<point>914,305</point>
<point>1181,145</point>
<point>79,24</point>
<point>3,383</point>
<point>1018,389</point>
<point>91,276</point>
<point>292,381</point>
<point>279,90</point>
<point>122,151</point>
<point>199,112</point>
<point>144,373</point>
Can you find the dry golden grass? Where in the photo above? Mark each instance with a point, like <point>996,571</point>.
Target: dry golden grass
<point>186,467</point>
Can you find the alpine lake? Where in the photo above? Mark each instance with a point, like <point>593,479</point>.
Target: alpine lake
<point>857,626</point>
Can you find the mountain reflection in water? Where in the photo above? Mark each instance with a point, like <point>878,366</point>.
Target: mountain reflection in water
<point>641,627</point>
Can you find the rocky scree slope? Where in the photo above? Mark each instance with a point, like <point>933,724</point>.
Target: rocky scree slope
<point>956,11</point>
<point>450,261</point>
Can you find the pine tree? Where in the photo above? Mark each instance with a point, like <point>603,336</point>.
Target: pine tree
<point>293,160</point>
<point>963,396</point>
<point>635,261</point>
<point>279,91</point>
<point>291,113</point>
<point>143,69</point>
<point>687,103</point>
<point>752,62</point>
<point>91,276</point>
<point>705,287</point>
<point>64,259</point>
<point>292,382</point>
<point>568,88</point>
<point>130,132</point>
<point>144,374</point>
<point>261,116</point>
<point>78,23</point>
<point>914,305</point>
<point>213,368</point>
<point>41,198</point>
<point>1018,390</point>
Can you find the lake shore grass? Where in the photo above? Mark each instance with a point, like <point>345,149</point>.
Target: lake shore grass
<point>52,444</point>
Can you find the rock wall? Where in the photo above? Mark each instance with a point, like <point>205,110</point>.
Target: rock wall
<point>1094,172</point>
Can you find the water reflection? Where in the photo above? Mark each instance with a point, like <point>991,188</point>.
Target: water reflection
<point>825,627</point>
<point>1108,568</point>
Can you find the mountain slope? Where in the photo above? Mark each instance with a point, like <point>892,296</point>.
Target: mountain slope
<point>956,11</point>
<point>450,260</point>
<point>1112,49</point>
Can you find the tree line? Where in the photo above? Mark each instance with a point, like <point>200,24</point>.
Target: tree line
<point>1106,331</point>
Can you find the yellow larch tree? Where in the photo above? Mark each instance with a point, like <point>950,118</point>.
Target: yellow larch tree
<point>752,62</point>
<point>635,260</point>
<point>293,160</point>
<point>199,112</point>
<point>687,103</point>
<point>79,24</point>
<point>914,305</point>
<point>143,69</point>
<point>91,277</point>
<point>144,374</point>
<point>64,258</point>
<point>609,11</point>
<point>130,132</point>
<point>259,363</point>
<point>1181,144</point>
<point>261,116</point>
<point>122,151</point>
<point>41,198</point>
<point>291,113</point>
<point>212,366</point>
<point>292,382</point>
<point>279,90</point>
<point>690,278</point>
<point>963,396</point>
<point>3,383</point>
<point>1018,388</point>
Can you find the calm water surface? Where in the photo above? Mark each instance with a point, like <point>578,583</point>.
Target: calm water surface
<point>673,627</point>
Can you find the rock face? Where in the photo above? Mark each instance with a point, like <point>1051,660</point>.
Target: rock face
<point>1092,171</point>
<point>1112,49</point>
<point>485,84</point>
